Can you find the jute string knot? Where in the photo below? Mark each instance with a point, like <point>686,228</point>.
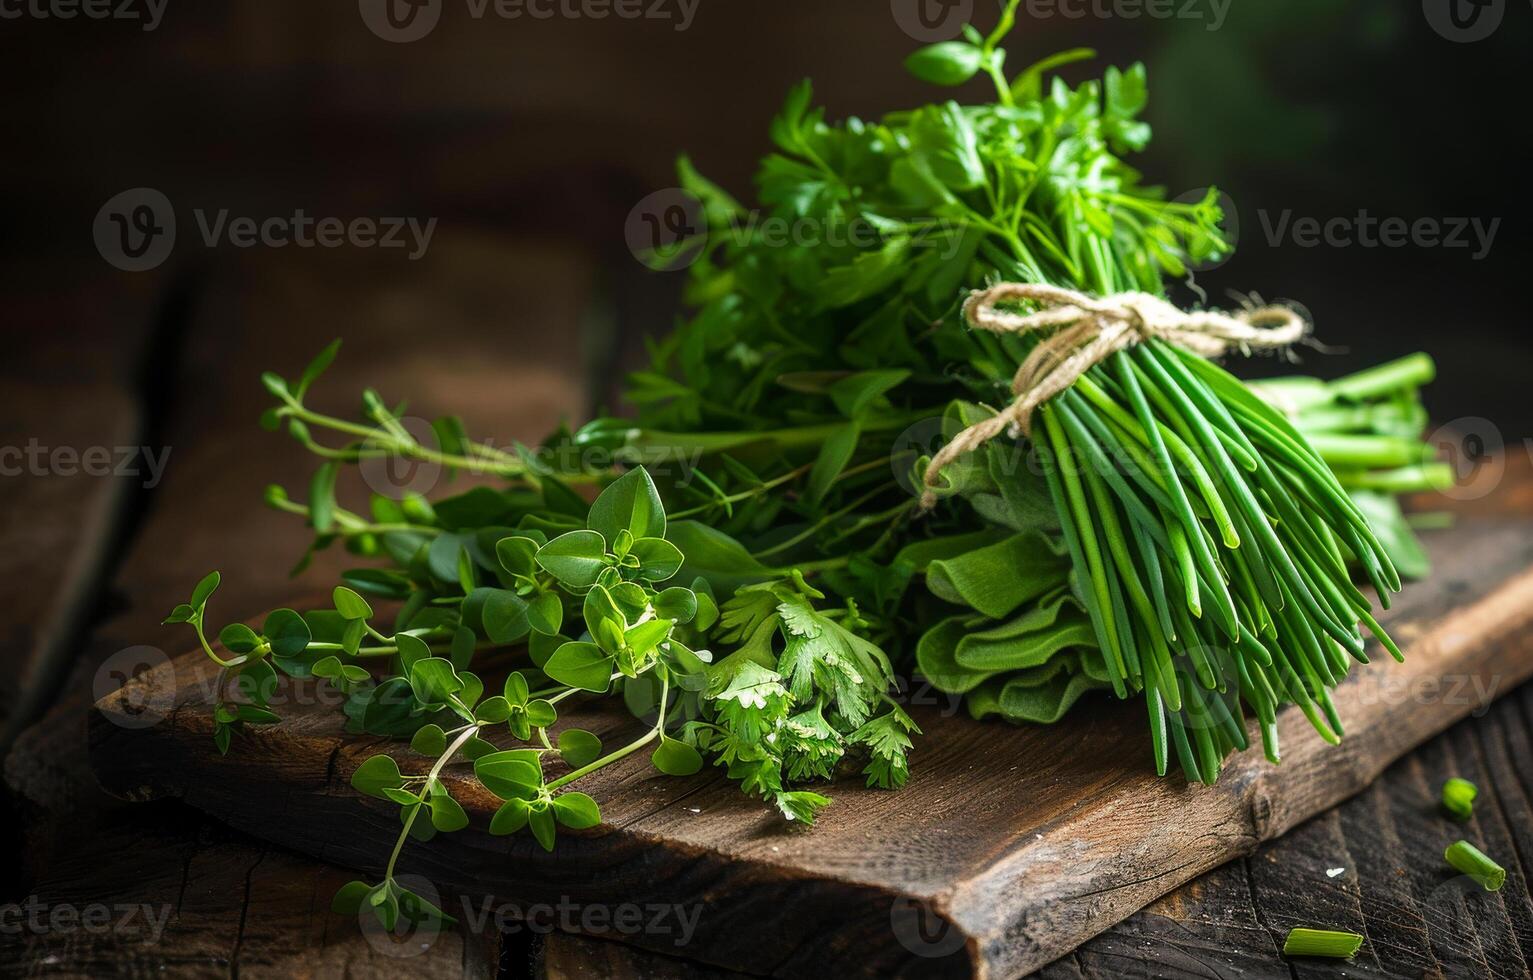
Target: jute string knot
<point>1085,331</point>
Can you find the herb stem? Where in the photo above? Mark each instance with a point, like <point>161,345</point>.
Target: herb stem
<point>629,749</point>
<point>1322,942</point>
<point>1458,798</point>
<point>353,523</point>
<point>206,648</point>
<point>431,777</point>
<point>1464,856</point>
<point>486,459</point>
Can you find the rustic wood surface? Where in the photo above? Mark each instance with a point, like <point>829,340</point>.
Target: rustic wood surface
<point>263,107</point>
<point>220,885</point>
<point>71,430</point>
<point>1011,848</point>
<point>81,847</point>
<point>1419,919</point>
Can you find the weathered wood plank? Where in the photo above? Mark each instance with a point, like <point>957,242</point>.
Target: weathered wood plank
<point>169,893</point>
<point>1393,886</point>
<point>1024,842</point>
<point>1218,926</point>
<point>565,956</point>
<point>69,463</point>
<point>435,333</point>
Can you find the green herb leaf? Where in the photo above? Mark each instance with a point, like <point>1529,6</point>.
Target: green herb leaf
<point>575,558</point>
<point>658,558</point>
<point>833,458</point>
<point>630,504</point>
<point>504,615</point>
<point>582,665</point>
<point>578,748</point>
<point>287,632</point>
<point>676,758</point>
<point>317,367</point>
<point>946,63</point>
<point>510,818</point>
<point>434,681</point>
<point>429,740</point>
<point>350,605</point>
<point>576,811</point>
<point>447,814</point>
<point>493,710</point>
<point>238,638</point>
<point>542,823</point>
<point>412,650</point>
<point>348,901</point>
<point>204,590</point>
<point>678,605</point>
<point>322,498</point>
<point>513,775</point>
<point>546,613</point>
<point>376,774</point>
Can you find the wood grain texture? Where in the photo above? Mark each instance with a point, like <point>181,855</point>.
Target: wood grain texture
<point>1009,847</point>
<point>187,897</point>
<point>70,428</point>
<point>1418,917</point>
<point>83,847</point>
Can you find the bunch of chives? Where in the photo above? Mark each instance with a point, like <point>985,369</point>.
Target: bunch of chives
<point>1367,426</point>
<point>1210,540</point>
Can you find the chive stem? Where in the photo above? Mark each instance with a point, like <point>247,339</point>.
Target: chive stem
<point>1322,942</point>
<point>1464,856</point>
<point>1458,798</point>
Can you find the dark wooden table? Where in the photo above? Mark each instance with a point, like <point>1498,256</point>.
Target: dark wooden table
<point>92,563</point>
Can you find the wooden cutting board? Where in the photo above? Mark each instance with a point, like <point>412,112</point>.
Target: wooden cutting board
<point>1008,848</point>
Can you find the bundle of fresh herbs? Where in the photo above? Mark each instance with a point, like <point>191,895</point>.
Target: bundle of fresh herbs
<point>757,572</point>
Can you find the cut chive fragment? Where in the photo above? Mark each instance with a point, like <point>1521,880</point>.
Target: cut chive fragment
<point>1458,798</point>
<point>1465,857</point>
<point>1322,942</point>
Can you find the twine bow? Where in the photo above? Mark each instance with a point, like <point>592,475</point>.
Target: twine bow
<point>1088,330</point>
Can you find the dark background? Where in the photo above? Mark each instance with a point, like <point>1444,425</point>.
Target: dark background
<point>531,142</point>
<point>552,130</point>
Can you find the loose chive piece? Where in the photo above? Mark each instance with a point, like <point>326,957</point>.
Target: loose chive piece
<point>1458,798</point>
<point>1322,942</point>
<point>1465,857</point>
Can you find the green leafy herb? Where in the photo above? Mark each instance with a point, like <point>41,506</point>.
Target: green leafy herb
<point>755,579</point>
